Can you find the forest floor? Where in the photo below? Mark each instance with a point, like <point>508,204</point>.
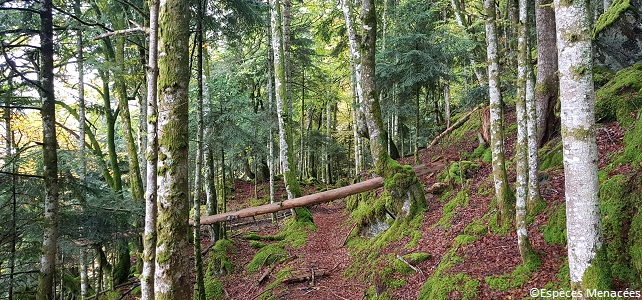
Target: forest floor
<point>326,255</point>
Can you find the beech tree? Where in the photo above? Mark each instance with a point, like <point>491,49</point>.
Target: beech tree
<point>172,274</point>
<point>149,230</point>
<point>583,220</point>
<point>502,192</point>
<point>547,82</point>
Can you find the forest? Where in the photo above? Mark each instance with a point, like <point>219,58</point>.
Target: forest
<point>372,149</point>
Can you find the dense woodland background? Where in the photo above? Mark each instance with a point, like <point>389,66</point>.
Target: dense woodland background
<point>121,117</point>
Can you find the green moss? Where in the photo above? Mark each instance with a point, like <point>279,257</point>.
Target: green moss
<point>476,228</point>
<point>488,156</point>
<point>554,232</point>
<point>609,16</point>
<point>472,125</point>
<point>498,227</point>
<point>464,239</point>
<point>620,97</point>
<point>633,147</point>
<point>516,279</point>
<point>440,288</point>
<point>551,156</point>
<point>267,256</point>
<point>461,200</point>
<point>256,244</point>
<point>597,276</point>
<point>479,151</point>
<point>620,199</point>
<point>460,170</point>
<point>213,289</point>
<point>412,258</point>
<point>219,259</point>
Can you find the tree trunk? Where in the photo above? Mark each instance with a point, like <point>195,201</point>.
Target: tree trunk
<point>407,192</point>
<point>199,287</point>
<point>547,82</point>
<point>172,280</point>
<point>285,143</point>
<point>521,145</point>
<point>149,234</point>
<point>496,116</point>
<point>49,154</point>
<point>583,221</point>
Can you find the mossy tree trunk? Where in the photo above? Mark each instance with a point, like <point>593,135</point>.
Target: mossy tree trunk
<point>400,182</point>
<point>49,154</point>
<point>199,287</point>
<point>149,233</point>
<point>583,221</point>
<point>172,274</point>
<point>285,140</point>
<point>547,82</point>
<point>502,192</point>
<point>524,71</point>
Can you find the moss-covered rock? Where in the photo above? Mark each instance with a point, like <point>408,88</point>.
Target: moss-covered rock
<point>267,256</point>
<point>620,97</point>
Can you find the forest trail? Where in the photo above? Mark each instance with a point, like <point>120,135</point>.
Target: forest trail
<point>489,255</point>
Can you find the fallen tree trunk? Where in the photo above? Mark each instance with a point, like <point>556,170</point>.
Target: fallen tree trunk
<point>459,122</point>
<point>317,198</point>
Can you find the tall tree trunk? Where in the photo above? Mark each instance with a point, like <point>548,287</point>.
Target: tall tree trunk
<point>407,191</point>
<point>199,287</point>
<point>14,205</point>
<point>149,234</point>
<point>285,156</point>
<point>521,148</point>
<point>547,82</point>
<point>271,96</point>
<point>534,195</point>
<point>49,154</point>
<point>172,276</point>
<point>502,193</point>
<point>355,62</point>
<point>583,221</point>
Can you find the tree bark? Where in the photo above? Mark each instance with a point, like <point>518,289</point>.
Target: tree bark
<point>521,145</point>
<point>285,143</point>
<point>583,221</point>
<point>547,82</point>
<point>50,156</point>
<point>172,280</point>
<point>149,234</point>
<point>199,287</point>
<point>496,115</point>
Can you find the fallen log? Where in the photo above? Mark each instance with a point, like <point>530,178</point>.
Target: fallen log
<point>317,198</point>
<point>308,276</point>
<point>459,122</point>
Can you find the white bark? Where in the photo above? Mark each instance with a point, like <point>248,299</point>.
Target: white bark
<point>496,112</point>
<point>149,231</point>
<point>447,102</point>
<point>521,145</point>
<point>583,224</point>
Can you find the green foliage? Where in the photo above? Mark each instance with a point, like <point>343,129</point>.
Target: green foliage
<point>516,279</point>
<point>461,200</point>
<point>621,96</point>
<point>554,232</point>
<point>110,295</point>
